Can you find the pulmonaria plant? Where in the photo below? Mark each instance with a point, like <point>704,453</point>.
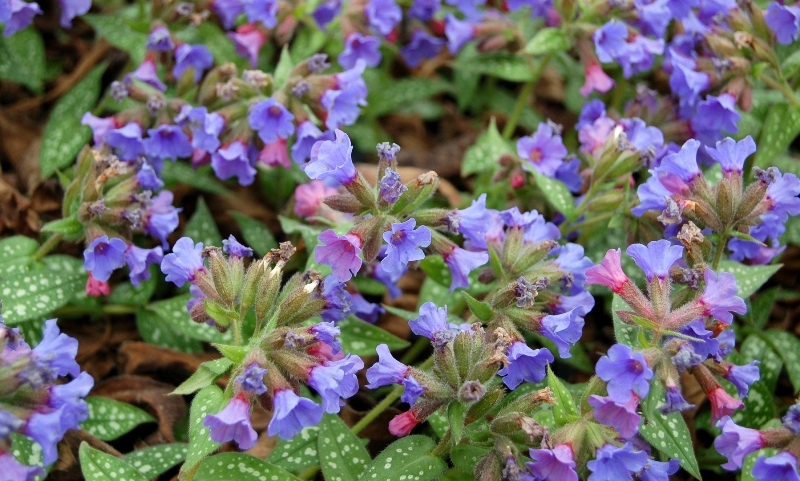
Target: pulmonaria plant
<point>34,400</point>
<point>281,350</point>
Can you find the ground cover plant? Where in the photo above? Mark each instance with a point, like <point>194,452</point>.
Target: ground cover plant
<point>395,240</point>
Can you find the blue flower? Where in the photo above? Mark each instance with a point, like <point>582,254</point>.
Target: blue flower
<point>184,262</point>
<point>525,364</point>
<point>334,380</point>
<point>103,256</point>
<point>625,371</point>
<point>233,424</point>
<point>272,121</point>
<point>291,414</point>
<point>404,245</point>
<point>614,463</point>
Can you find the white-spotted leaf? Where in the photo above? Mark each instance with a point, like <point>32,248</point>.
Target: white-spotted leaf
<point>548,40</point>
<point>110,419</point>
<point>255,234</point>
<point>787,346</point>
<point>210,400</point>
<point>22,58</point>
<point>15,255</point>
<point>201,227</point>
<point>99,466</point>
<point>781,126</point>
<point>362,338</point>
<point>241,467</point>
<point>158,333</point>
<point>341,454</point>
<point>299,453</point>
<point>173,312</point>
<point>502,65</point>
<point>116,30</point>
<point>483,156</point>
<point>557,193</point>
<point>154,461</point>
<point>407,459</point>
<point>748,278</point>
<point>755,348</point>
<point>26,451</point>
<point>564,410</point>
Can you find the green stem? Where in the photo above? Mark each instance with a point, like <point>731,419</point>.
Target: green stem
<point>110,309</point>
<point>723,241</point>
<point>48,245</point>
<point>415,350</point>
<point>783,87</point>
<point>524,96</point>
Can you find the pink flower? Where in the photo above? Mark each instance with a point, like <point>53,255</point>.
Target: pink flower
<point>596,79</point>
<point>96,288</point>
<point>609,272</point>
<point>722,403</point>
<point>403,424</point>
<point>308,197</point>
<point>275,154</point>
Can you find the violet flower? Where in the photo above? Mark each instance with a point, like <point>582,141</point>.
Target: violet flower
<point>461,262</point>
<point>360,47</point>
<point>334,380</point>
<point>139,261</point>
<point>614,463</point>
<point>404,245</point>
<point>736,442</point>
<point>272,121</point>
<point>184,262</point>
<point>553,464</point>
<point>252,379</point>
<point>291,414</point>
<point>233,424</point>
<point>544,151</point>
<point>383,15</point>
<point>167,142</point>
<point>20,15</point>
<point>387,370</point>
<point>196,57</point>
<point>233,160</point>
<point>656,259</point>
<point>563,329</point>
<point>332,159</point>
<point>626,372</point>
<point>422,46</point>
<point>103,256</point>
<point>525,364</point>
<point>782,466</point>
<point>341,253</point>
<point>264,11</point>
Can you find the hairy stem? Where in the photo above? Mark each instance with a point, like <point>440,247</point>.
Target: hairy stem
<point>524,96</point>
<point>48,245</point>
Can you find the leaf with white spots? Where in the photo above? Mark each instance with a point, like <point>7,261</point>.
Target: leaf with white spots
<point>99,466</point>
<point>362,338</point>
<point>466,456</point>
<point>119,33</point>
<point>754,348</point>
<point>201,227</point>
<point>209,400</point>
<point>624,333</point>
<point>22,58</point>
<point>255,234</point>
<point>156,460</point>
<point>407,459</point>
<point>668,433</point>
<point>502,65</point>
<point>241,467</point>
<point>564,410</point>
<point>26,451</point>
<point>438,423</point>
<point>207,373</point>
<point>158,333</point>
<point>299,453</point>
<point>759,405</point>
<point>781,126</point>
<point>109,419</point>
<point>128,294</point>
<point>341,454</point>
<point>36,293</point>
<point>483,156</point>
<point>557,193</point>
<point>787,345</point>
<point>748,278</point>
<point>15,255</point>
<point>173,312</point>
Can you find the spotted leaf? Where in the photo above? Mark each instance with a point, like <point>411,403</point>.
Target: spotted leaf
<point>109,419</point>
<point>99,466</point>
<point>241,467</point>
<point>341,454</point>
<point>406,459</point>
<point>154,461</point>
<point>299,453</point>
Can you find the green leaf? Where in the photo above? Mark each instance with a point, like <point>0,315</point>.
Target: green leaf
<point>748,278</point>
<point>406,458</point>
<point>110,419</point>
<point>64,136</point>
<point>548,40</point>
<point>435,268</point>
<point>158,333</point>
<point>128,294</point>
<point>34,294</point>
<point>207,373</point>
<point>284,68</point>
<point>362,338</point>
<point>438,422</point>
<point>482,310</point>
<point>502,65</point>
<point>116,30</point>
<point>99,466</point>
<point>299,453</point>
<point>15,255</point>
<point>787,346</point>
<point>564,410</point>
<point>759,310</point>
<point>668,434</point>
<point>220,45</point>
<point>781,126</point>
<point>22,59</point>
<point>70,227</point>
<point>557,194</point>
<point>210,400</point>
<point>456,412</point>
<point>239,466</point>
<point>404,92</point>
<point>341,454</point>
<point>624,333</point>
<point>201,227</point>
<point>755,348</point>
<point>235,354</point>
<point>759,406</point>
<point>26,451</point>
<point>466,456</point>
<point>153,461</point>
<point>255,234</point>
<point>173,312</point>
<point>483,156</point>
<point>201,178</point>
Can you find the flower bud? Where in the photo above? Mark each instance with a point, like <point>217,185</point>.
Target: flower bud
<point>346,203</point>
<point>250,284</point>
<point>267,292</point>
<point>419,190</point>
<point>221,275</point>
<point>471,392</point>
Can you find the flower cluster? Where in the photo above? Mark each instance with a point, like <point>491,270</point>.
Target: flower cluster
<point>32,400</point>
<point>17,14</point>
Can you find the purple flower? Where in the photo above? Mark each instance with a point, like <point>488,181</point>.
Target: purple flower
<point>404,245</point>
<point>731,154</point>
<point>56,352</point>
<point>227,11</point>
<point>264,11</point>
<point>365,310</point>
<point>782,197</point>
<point>461,262</point>
<point>68,398</point>
<point>343,105</point>
<point>432,323</point>
<point>674,400</point>
<point>383,15</point>
<point>248,40</point>
<point>564,330</point>
<point>103,256</point>
<point>20,15</point>
<point>391,187</point>
<point>337,300</point>
<point>654,16</point>
<point>614,463</point>
<point>781,467</point>
<point>612,43</point>
<point>334,380</point>
<point>162,217</point>
<point>736,442</point>
<point>422,46</point>
<point>139,261</point>
<point>682,164</point>
<point>340,252</point>
<point>387,370</point>
<point>553,464</point>
<point>609,272</point>
<point>625,371</point>
<point>13,470</point>
<point>100,126</point>
<point>71,9</point>
<point>167,142</point>
<point>233,160</point>
<point>424,10</point>
<point>544,151</point>
<point>205,127</point>
<point>458,33</point>
<point>306,136</point>
<point>659,470</point>
<point>622,416</point>
<point>328,333</point>
<point>791,420</point>
<point>184,262</point>
<point>234,248</point>
<point>146,73</point>
<point>714,116</point>
<point>126,141</point>
<point>686,83</point>
<point>233,424</point>
<point>332,159</point>
<point>784,21</point>
<point>571,257</point>
<point>743,376</point>
<point>720,299</point>
<point>472,222</point>
<point>160,40</point>
<point>610,40</point>
<point>413,390</point>
<point>8,424</point>
<point>655,259</point>
<point>46,429</point>
<point>525,364</point>
<point>291,414</point>
<point>272,121</point>
<point>359,47</point>
<point>252,379</point>
<point>705,345</point>
<point>196,57</point>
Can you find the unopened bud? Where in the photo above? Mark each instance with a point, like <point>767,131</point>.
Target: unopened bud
<point>471,391</point>
<point>419,190</point>
<point>346,203</point>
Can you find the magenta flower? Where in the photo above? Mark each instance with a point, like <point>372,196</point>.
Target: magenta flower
<point>609,272</point>
<point>557,464</point>
<point>291,414</point>
<point>340,252</point>
<point>404,245</point>
<point>402,424</point>
<point>248,40</point>
<point>736,442</point>
<point>722,403</point>
<point>233,424</point>
<point>544,151</point>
